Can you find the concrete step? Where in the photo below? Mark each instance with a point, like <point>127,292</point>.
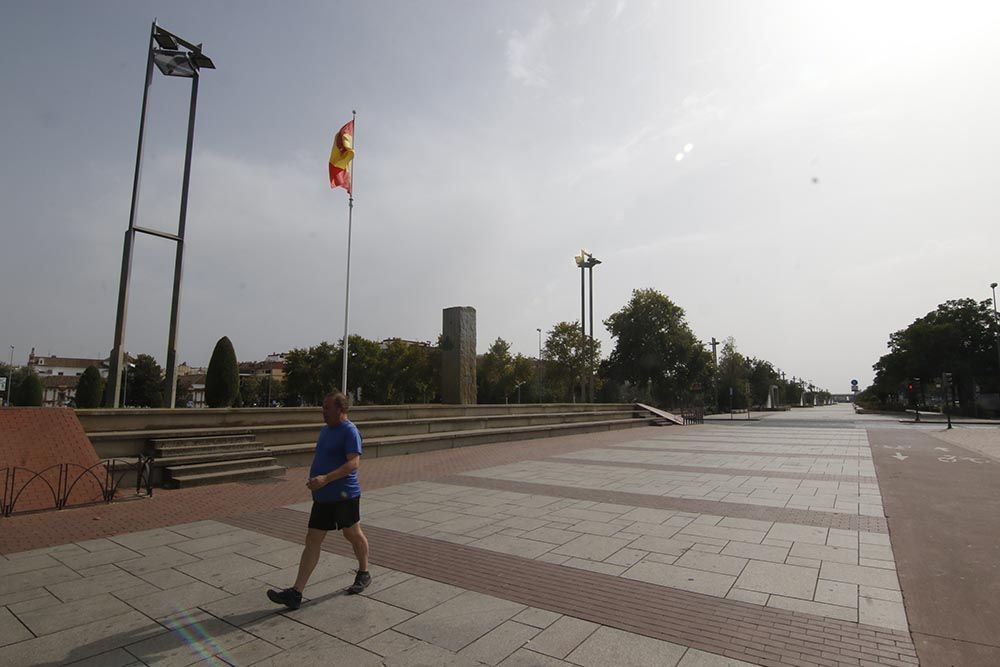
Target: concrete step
<point>203,440</point>
<point>186,480</point>
<point>125,443</point>
<point>219,466</point>
<point>186,459</point>
<point>301,454</point>
<point>173,451</point>
<point>107,421</point>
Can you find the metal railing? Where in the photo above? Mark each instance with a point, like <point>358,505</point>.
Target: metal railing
<point>107,474</point>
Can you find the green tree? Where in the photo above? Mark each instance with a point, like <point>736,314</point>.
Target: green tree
<point>185,391</point>
<point>732,377</point>
<point>222,380</point>
<point>958,337</point>
<point>655,349</point>
<point>89,388</point>
<point>272,391</point>
<point>250,392</point>
<point>310,373</point>
<point>145,383</point>
<point>762,376</point>
<point>365,369</point>
<point>28,390</point>
<point>495,373</point>
<point>571,355</point>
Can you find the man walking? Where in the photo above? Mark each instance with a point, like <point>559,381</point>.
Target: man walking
<point>333,480</point>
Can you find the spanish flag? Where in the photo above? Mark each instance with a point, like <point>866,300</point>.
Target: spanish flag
<point>341,156</point>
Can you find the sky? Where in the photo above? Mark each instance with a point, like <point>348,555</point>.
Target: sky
<point>806,177</point>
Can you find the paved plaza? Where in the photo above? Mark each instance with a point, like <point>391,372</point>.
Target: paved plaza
<point>757,543</point>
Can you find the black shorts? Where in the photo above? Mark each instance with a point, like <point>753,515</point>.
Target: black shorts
<point>336,515</point>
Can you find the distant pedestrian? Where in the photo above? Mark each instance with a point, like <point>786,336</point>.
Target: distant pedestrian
<point>333,480</point>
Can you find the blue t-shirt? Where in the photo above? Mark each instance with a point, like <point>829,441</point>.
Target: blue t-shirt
<point>332,448</point>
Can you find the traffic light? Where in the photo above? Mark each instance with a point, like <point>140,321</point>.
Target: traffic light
<point>909,387</point>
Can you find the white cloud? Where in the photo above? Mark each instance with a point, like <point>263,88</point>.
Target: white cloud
<point>619,8</point>
<point>525,62</point>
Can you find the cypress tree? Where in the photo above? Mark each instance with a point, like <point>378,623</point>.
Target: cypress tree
<point>88,389</point>
<point>222,381</point>
<point>29,392</point>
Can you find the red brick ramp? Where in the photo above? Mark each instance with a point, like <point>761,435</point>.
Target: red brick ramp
<point>43,451</point>
<point>943,508</point>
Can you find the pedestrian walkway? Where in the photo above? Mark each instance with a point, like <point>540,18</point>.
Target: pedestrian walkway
<point>701,545</point>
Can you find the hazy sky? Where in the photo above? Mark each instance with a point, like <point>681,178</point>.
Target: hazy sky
<point>496,139</point>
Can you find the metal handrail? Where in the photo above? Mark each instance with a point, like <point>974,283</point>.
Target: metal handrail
<point>114,472</point>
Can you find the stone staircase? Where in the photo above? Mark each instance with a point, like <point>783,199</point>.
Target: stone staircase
<point>202,446</point>
<point>211,459</point>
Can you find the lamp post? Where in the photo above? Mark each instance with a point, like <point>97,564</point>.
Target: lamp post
<point>538,367</point>
<point>173,56</point>
<point>996,318</point>
<point>10,376</point>
<point>586,260</point>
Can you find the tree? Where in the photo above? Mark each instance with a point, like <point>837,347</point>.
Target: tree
<point>272,391</point>
<point>89,388</point>
<point>495,373</point>
<point>364,359</point>
<point>250,392</point>
<point>732,377</point>
<point>145,383</point>
<point>571,355</point>
<point>28,392</point>
<point>311,373</point>
<point>655,349</point>
<point>762,376</point>
<point>958,337</point>
<point>185,391</point>
<point>222,380</point>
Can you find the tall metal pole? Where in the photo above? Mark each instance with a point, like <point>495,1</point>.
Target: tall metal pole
<point>583,318</point>
<point>179,256</point>
<point>996,318</point>
<point>350,215</point>
<point>591,272</point>
<point>10,376</point>
<point>538,368</point>
<point>115,367</point>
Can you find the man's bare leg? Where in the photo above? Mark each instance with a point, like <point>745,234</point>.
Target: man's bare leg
<point>359,543</point>
<point>310,557</point>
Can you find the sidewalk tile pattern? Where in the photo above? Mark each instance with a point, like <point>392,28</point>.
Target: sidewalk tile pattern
<point>705,545</point>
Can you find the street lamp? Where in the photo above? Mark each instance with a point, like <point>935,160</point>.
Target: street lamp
<point>538,368</point>
<point>996,318</point>
<point>10,376</point>
<point>586,260</point>
<point>173,56</point>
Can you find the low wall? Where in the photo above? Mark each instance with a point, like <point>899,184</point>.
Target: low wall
<point>126,432</point>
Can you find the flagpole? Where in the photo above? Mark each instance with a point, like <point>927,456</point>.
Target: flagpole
<point>350,216</point>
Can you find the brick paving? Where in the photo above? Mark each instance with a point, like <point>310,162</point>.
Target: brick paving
<point>169,507</point>
<point>870,524</point>
<point>723,471</point>
<point>782,610</point>
<point>796,455</point>
<point>734,629</point>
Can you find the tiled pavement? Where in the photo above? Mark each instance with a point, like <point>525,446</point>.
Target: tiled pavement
<point>509,556</point>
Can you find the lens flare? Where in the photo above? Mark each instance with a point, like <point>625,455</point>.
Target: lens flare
<point>195,637</point>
